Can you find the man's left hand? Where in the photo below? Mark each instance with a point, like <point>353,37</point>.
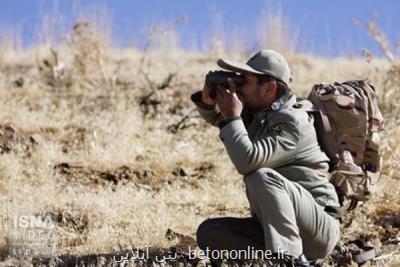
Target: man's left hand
<point>228,101</point>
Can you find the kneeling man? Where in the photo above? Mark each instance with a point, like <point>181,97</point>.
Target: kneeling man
<point>274,146</point>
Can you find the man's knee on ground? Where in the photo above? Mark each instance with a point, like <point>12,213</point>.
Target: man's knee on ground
<point>263,177</point>
<point>204,232</point>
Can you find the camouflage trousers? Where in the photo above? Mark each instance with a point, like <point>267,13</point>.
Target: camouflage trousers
<point>285,217</point>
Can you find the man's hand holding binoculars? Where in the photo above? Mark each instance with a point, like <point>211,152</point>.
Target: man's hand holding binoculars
<point>229,103</point>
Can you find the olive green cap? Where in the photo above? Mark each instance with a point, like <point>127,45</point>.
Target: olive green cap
<point>267,62</point>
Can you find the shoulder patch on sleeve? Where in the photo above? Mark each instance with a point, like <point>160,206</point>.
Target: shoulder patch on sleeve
<point>277,128</point>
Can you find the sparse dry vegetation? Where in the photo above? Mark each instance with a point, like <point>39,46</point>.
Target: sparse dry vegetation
<point>107,142</point>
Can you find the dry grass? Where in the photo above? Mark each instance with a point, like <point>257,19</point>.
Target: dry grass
<point>85,139</point>
<point>276,32</point>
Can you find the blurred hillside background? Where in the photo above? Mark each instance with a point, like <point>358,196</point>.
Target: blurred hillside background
<point>326,28</point>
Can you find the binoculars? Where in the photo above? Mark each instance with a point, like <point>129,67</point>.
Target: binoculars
<point>220,78</point>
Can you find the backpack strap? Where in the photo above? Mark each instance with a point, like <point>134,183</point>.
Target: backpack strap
<point>353,204</point>
<point>306,105</point>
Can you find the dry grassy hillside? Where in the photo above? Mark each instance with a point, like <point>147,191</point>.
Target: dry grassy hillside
<point>108,143</point>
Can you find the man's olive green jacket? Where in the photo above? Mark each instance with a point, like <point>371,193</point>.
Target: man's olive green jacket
<point>280,137</point>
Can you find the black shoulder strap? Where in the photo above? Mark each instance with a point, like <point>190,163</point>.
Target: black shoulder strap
<point>308,106</point>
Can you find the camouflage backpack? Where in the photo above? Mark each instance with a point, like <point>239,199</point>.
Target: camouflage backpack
<point>347,123</point>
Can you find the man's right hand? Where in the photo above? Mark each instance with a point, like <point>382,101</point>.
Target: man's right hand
<point>205,96</point>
